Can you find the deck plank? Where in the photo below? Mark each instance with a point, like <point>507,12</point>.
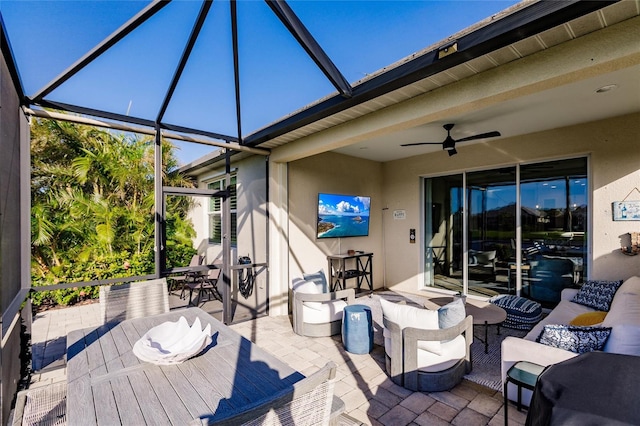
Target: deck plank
<point>108,384</point>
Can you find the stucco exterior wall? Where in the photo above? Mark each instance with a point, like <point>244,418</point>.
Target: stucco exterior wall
<point>252,212</point>
<point>339,174</point>
<point>613,146</point>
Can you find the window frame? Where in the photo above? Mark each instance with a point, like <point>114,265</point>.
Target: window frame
<point>214,208</point>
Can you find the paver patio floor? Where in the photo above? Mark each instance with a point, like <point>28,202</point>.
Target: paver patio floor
<point>363,385</point>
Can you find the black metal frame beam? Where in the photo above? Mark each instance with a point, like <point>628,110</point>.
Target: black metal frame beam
<point>213,135</point>
<point>236,65</point>
<point>282,10</point>
<point>115,37</point>
<point>526,22</point>
<point>133,120</point>
<point>62,106</point>
<point>5,47</point>
<point>195,31</point>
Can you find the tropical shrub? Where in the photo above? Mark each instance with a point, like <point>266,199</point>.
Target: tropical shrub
<point>92,195</point>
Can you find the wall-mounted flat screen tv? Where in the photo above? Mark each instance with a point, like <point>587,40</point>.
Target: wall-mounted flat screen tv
<point>342,216</point>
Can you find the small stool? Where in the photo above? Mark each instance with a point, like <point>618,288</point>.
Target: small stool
<point>523,374</point>
<point>522,313</point>
<point>357,329</point>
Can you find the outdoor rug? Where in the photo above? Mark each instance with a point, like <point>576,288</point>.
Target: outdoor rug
<point>486,367</point>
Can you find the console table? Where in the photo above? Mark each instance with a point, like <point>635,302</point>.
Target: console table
<point>343,267</point>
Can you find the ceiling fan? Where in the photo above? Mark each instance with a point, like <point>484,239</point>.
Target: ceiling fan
<point>449,144</point>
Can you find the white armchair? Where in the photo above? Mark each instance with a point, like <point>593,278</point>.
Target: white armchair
<point>315,313</point>
<point>419,355</point>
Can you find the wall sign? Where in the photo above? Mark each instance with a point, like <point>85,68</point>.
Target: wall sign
<point>626,210</point>
<point>399,214</point>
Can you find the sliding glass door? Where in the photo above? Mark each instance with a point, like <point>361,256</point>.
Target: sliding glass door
<point>554,222</point>
<point>513,230</point>
<point>491,221</point>
<point>444,233</point>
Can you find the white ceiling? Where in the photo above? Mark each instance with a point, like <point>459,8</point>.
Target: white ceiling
<point>567,105</point>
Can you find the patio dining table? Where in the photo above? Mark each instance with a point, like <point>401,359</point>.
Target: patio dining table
<point>108,384</point>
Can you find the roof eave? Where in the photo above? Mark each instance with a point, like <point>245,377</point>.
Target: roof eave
<point>522,23</point>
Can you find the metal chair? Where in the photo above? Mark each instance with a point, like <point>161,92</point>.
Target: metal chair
<point>547,279</point>
<point>205,283</point>
<point>189,276</point>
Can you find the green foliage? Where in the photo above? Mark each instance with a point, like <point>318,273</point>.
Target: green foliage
<point>102,267</point>
<point>179,254</point>
<point>93,207</point>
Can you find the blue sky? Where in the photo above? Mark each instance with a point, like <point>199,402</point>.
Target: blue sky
<point>277,77</point>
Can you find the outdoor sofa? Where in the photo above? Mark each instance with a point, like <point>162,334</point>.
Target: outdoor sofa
<point>622,316</point>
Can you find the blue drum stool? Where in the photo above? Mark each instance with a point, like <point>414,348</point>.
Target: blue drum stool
<point>357,329</point>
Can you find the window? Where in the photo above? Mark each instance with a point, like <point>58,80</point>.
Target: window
<point>215,211</point>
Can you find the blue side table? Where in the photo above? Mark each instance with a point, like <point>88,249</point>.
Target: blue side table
<point>357,329</point>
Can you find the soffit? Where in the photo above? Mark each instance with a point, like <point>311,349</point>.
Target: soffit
<point>589,23</point>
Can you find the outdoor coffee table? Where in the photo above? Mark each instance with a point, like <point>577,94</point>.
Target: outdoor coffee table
<point>483,313</point>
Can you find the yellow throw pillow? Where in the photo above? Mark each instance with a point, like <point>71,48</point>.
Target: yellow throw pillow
<point>589,318</point>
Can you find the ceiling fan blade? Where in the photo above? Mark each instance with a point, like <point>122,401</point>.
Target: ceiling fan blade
<point>421,143</point>
<point>480,136</point>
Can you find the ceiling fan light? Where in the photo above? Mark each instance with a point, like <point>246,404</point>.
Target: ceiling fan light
<point>452,152</point>
<point>449,144</point>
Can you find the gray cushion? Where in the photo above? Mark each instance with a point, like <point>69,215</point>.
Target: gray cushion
<point>451,314</point>
<point>319,279</point>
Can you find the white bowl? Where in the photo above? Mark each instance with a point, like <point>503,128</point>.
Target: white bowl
<point>172,342</point>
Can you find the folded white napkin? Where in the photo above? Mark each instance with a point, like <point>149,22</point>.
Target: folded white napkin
<point>172,342</point>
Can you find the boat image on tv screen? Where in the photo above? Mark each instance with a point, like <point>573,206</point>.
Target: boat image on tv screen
<point>343,216</point>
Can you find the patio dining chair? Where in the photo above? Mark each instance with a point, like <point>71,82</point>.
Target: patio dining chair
<point>179,280</point>
<point>307,402</point>
<point>133,300</point>
<point>42,406</point>
<point>205,283</point>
